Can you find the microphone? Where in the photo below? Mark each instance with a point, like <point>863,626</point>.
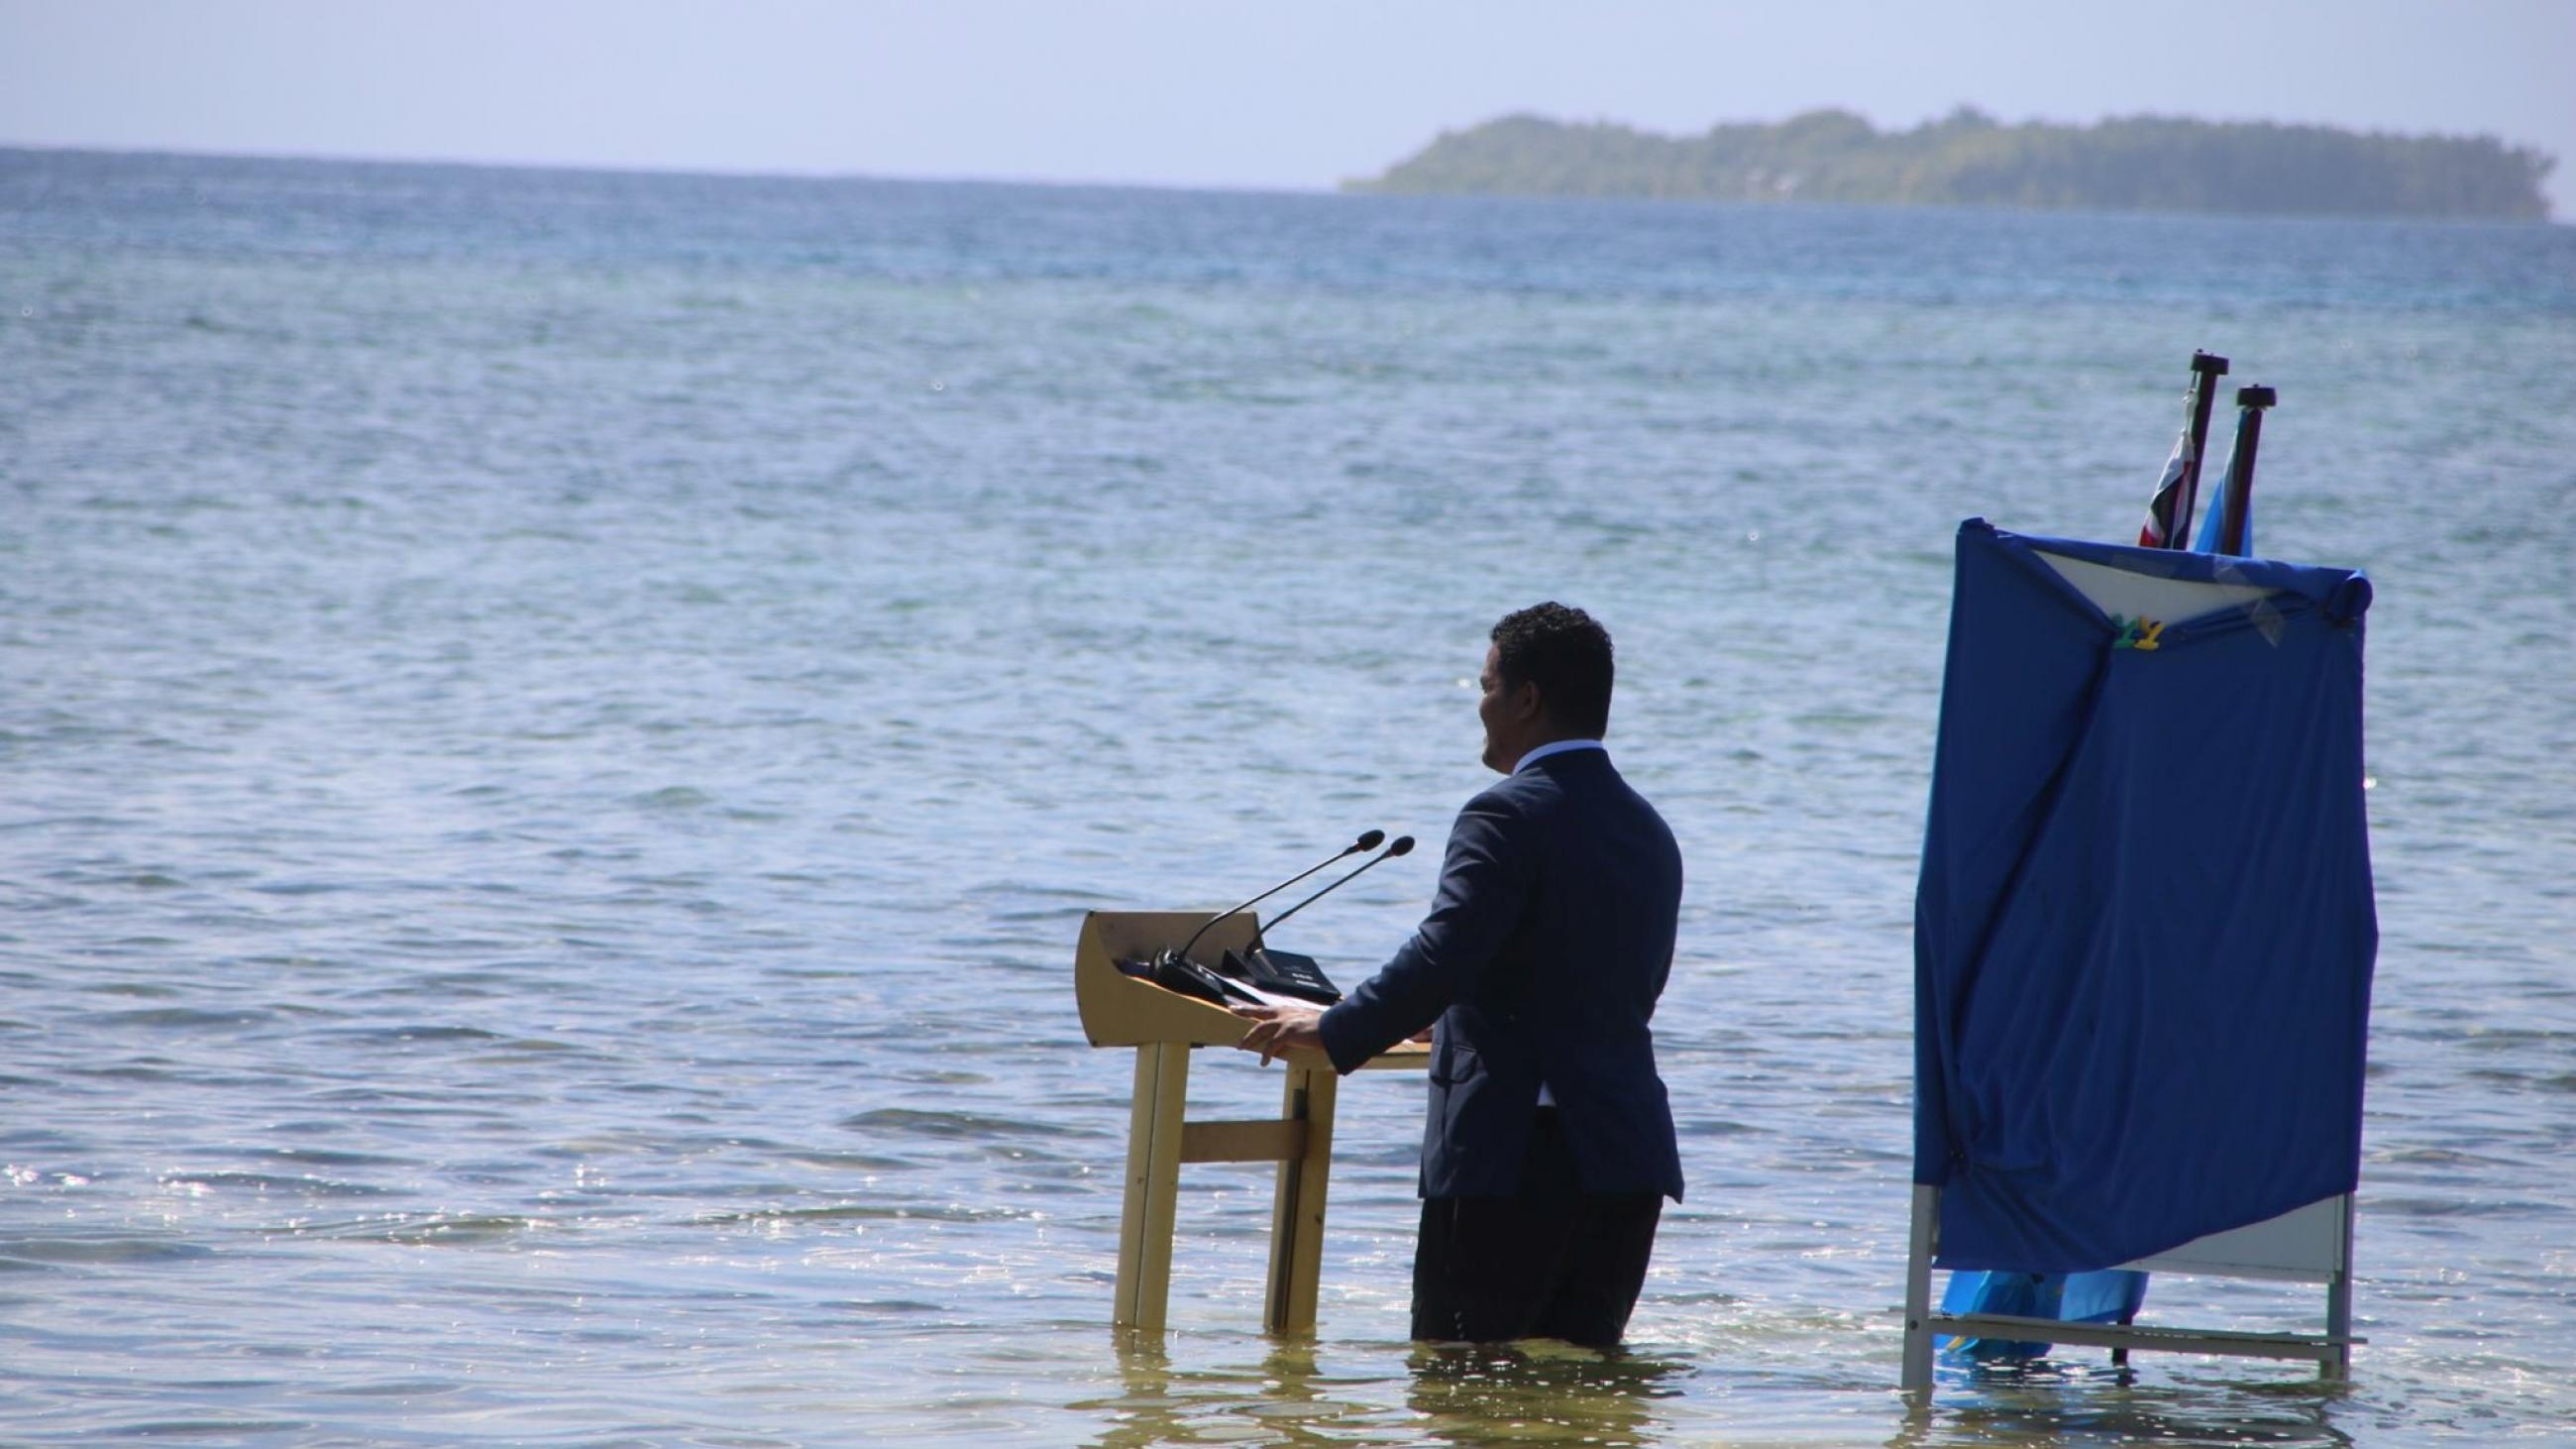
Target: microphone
<point>1403,845</point>
<point>1368,841</point>
<point>1288,973</point>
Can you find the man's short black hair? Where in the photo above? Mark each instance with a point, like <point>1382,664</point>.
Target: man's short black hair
<point>1566,653</point>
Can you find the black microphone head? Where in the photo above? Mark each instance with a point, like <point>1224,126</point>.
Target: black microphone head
<point>1403,845</point>
<point>1368,841</point>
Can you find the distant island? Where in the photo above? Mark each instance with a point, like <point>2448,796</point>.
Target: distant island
<point>1968,158</point>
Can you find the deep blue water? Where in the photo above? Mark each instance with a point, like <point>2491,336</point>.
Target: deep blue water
<point>555,728</point>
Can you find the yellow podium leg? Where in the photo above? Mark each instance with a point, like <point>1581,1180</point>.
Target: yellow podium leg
<point>1297,1203</point>
<point>1153,1184</point>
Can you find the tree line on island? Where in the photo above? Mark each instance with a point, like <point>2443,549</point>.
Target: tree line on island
<point>1968,158</point>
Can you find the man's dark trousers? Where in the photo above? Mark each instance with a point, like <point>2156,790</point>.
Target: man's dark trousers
<point>1550,1261</point>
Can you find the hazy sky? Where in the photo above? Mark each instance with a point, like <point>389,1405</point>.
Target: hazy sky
<point>1292,93</point>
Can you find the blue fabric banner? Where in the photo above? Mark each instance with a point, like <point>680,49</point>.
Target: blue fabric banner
<point>2144,929</point>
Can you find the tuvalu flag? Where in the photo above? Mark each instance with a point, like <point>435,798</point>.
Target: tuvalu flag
<point>2213,527</point>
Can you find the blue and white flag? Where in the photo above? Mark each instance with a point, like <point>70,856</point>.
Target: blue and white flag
<point>2214,527</point>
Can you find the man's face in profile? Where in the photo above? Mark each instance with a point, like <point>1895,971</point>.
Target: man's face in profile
<point>1503,733</point>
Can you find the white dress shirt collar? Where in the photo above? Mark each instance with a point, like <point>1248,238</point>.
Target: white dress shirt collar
<point>1555,747</point>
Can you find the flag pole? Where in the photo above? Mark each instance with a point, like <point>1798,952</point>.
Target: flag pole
<point>2206,369</point>
<point>2168,521</point>
<point>2236,503</point>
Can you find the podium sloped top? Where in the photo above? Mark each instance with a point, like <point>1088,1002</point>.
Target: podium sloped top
<point>1122,1010</point>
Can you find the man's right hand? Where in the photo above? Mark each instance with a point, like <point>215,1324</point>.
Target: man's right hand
<point>1278,1030</point>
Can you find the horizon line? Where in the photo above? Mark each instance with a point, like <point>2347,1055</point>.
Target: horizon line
<point>1351,187</point>
<point>770,172</point>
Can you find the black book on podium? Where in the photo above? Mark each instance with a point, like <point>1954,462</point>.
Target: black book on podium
<point>1282,973</point>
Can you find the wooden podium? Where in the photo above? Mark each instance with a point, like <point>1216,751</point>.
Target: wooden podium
<point>1121,1010</point>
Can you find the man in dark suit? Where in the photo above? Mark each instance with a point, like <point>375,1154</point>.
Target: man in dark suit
<point>1548,1147</point>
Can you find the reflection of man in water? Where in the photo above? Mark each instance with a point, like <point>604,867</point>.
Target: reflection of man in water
<point>1548,1148</point>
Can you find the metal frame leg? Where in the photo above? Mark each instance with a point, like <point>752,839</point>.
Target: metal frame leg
<point>2339,1305</point>
<point>1916,1377</point>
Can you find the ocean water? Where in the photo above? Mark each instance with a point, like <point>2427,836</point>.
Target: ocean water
<point>555,730</point>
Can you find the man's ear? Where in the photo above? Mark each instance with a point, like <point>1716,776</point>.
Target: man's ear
<point>1527,703</point>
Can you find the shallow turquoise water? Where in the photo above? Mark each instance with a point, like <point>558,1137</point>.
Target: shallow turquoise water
<point>555,728</point>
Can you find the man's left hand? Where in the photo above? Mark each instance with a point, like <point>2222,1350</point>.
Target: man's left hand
<point>1278,1030</point>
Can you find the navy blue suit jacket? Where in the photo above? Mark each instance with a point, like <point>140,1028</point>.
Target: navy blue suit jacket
<point>1545,949</point>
